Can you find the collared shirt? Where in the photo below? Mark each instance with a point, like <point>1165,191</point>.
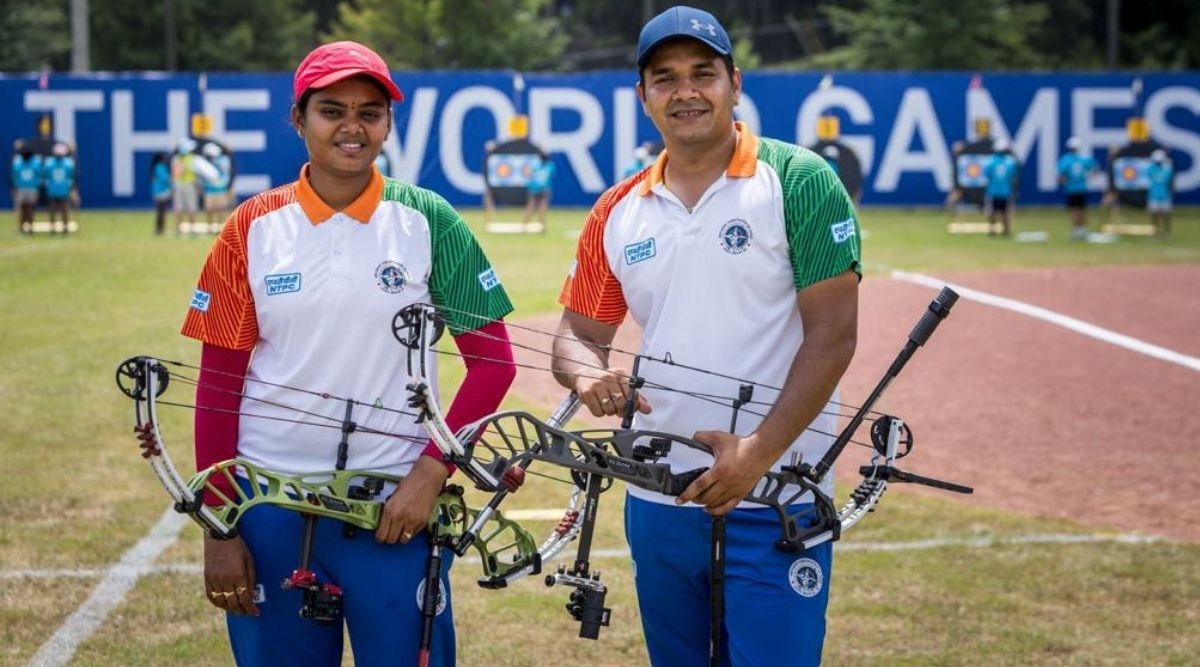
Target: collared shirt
<point>715,287</point>
<point>313,292</point>
<point>26,172</point>
<point>1159,177</point>
<point>1001,172</point>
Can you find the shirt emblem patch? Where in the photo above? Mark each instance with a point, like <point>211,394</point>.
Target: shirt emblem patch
<point>805,577</point>
<point>201,300</point>
<point>282,283</point>
<point>489,280</point>
<point>842,230</point>
<point>391,277</point>
<point>640,251</point>
<point>735,236</point>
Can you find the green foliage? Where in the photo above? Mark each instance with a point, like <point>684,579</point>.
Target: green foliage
<point>438,34</point>
<point>935,34</point>
<point>35,35</point>
<point>212,35</point>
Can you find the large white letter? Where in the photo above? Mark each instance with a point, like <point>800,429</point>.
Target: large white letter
<point>1040,124</point>
<point>407,159</point>
<point>63,104</point>
<point>451,130</point>
<point>854,104</point>
<point>1084,102</point>
<point>1173,137</point>
<point>126,141</point>
<point>916,115</point>
<point>575,144</point>
<point>216,104</point>
<point>625,111</point>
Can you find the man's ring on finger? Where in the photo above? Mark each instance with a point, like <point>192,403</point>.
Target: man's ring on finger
<point>407,536</point>
<point>228,594</point>
<point>214,594</point>
<point>240,589</point>
<point>606,399</point>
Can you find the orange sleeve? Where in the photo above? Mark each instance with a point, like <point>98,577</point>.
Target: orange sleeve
<point>591,289</point>
<point>222,308</point>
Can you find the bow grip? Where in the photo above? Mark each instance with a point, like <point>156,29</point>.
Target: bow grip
<point>939,308</point>
<point>678,482</point>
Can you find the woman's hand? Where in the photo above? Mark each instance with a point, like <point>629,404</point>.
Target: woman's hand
<point>229,575</point>
<point>407,510</point>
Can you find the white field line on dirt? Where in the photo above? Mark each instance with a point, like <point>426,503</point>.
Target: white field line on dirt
<point>118,580</point>
<point>978,542</point>
<point>1078,326</point>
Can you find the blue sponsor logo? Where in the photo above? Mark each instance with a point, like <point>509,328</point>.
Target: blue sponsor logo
<point>640,251</point>
<point>282,283</point>
<point>735,236</point>
<point>489,280</point>
<point>201,300</point>
<point>842,230</point>
<point>391,277</point>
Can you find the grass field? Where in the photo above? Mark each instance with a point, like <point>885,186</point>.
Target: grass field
<point>74,495</point>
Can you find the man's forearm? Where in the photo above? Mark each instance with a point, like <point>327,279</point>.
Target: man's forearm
<point>575,358</point>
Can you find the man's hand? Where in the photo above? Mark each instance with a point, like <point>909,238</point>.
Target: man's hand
<point>606,394</point>
<point>739,463</point>
<point>229,575</point>
<point>407,510</point>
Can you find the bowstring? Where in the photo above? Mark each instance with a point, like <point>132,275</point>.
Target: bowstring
<point>667,361</point>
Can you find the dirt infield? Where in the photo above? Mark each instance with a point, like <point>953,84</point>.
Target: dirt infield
<point>1039,419</point>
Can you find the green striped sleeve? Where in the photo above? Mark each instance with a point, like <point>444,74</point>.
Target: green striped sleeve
<point>462,279</point>
<point>822,227</point>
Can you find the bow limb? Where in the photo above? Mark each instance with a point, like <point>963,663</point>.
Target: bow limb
<point>144,379</point>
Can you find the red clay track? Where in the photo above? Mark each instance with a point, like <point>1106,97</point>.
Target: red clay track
<point>1039,419</point>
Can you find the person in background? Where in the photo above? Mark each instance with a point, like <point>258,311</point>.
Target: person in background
<point>641,160</point>
<point>300,289</point>
<point>185,192</point>
<point>540,182</point>
<point>1073,171</point>
<point>1001,173</point>
<point>217,188</point>
<point>26,177</point>
<point>1161,175</point>
<point>160,189</point>
<point>832,155</point>
<point>59,180</point>
<point>489,206</point>
<point>758,239</point>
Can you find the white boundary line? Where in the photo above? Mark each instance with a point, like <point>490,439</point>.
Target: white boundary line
<point>118,580</point>
<point>1079,326</point>
<point>983,542</point>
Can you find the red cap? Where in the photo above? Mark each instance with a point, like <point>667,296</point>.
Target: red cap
<point>329,63</point>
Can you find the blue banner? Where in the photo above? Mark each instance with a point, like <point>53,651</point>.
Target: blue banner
<point>901,126</point>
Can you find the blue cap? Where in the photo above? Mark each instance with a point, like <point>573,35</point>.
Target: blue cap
<point>681,21</point>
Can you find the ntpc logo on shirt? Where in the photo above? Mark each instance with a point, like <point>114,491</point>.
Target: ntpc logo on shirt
<point>640,251</point>
<point>489,280</point>
<point>842,230</point>
<point>282,283</point>
<point>201,300</point>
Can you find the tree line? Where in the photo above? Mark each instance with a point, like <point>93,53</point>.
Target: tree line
<point>572,35</point>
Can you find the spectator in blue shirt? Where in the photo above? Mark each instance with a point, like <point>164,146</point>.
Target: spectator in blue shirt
<point>26,176</point>
<point>1001,173</point>
<point>58,173</point>
<point>641,160</point>
<point>539,191</point>
<point>1073,171</point>
<point>1161,175</point>
<point>160,189</point>
<point>217,187</point>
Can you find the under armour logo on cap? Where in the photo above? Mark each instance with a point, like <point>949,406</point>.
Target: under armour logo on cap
<point>698,26</point>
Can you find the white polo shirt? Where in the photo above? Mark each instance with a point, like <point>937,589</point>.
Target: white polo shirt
<point>313,292</point>
<point>715,287</point>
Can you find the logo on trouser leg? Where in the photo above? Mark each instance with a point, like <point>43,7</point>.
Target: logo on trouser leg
<point>441,597</point>
<point>805,577</point>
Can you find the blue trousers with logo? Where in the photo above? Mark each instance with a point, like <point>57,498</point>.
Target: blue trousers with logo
<point>380,600</point>
<point>774,601</point>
